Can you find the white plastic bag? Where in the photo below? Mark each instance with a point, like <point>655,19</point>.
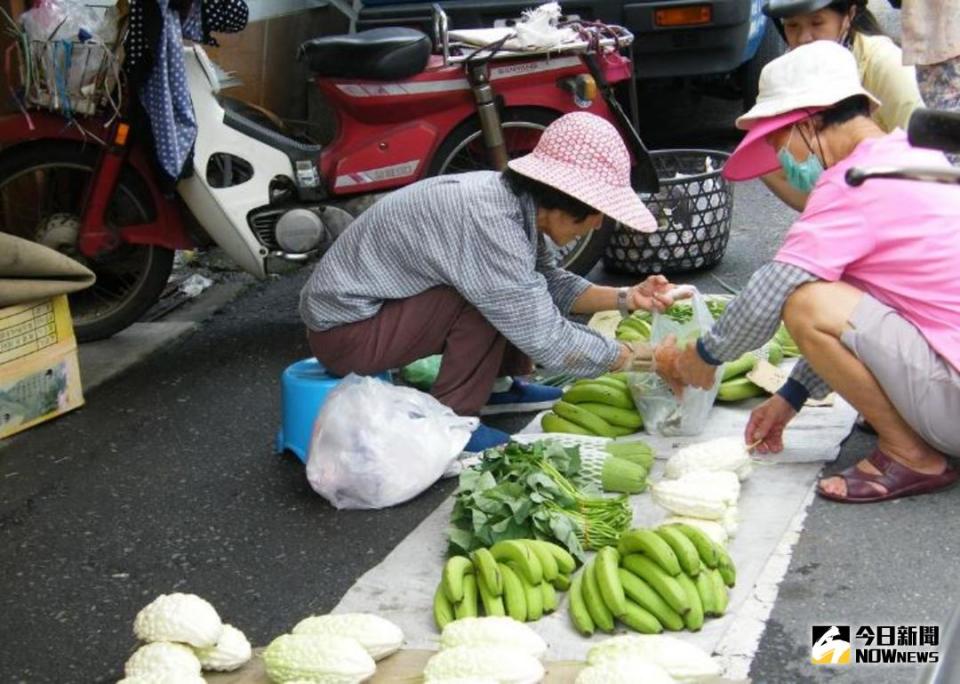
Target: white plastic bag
<point>662,412</point>
<point>376,445</point>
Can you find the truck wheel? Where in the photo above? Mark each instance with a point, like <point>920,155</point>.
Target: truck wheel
<point>771,46</point>
<point>41,194</point>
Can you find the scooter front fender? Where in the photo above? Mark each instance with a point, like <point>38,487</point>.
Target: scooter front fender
<point>168,228</point>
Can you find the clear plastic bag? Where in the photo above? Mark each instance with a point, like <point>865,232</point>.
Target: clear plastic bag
<point>376,445</point>
<point>663,413</point>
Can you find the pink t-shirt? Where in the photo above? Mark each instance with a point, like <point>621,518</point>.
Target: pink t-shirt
<point>898,240</point>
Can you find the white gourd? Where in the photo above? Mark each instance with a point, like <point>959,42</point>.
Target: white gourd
<point>162,657</point>
<point>681,660</point>
<point>731,521</point>
<point>378,636</point>
<point>504,664</point>
<point>163,678</point>
<point>232,651</point>
<point>723,454</point>
<point>493,631</point>
<point>317,658</point>
<point>700,494</point>
<point>184,618</point>
<point>627,669</point>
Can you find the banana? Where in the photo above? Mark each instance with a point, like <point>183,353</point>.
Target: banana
<point>603,380</point>
<point>608,580</point>
<point>726,567</point>
<point>629,335</point>
<point>650,544</point>
<point>640,593</point>
<point>617,417</point>
<point>533,595</point>
<point>551,422</point>
<point>583,418</point>
<point>720,590</point>
<point>686,552</point>
<point>549,597</point>
<point>578,608</point>
<point>486,567</point>
<point>662,583</point>
<point>707,549</point>
<point>740,366</point>
<point>640,620</point>
<point>738,389</point>
<point>599,394</point>
<point>492,603</point>
<point>602,617</point>
<point>693,620</point>
<point>452,578</point>
<point>565,562</point>
<point>468,606</point>
<point>708,594</point>
<point>547,560</point>
<point>442,610</point>
<point>562,582</point>
<point>514,595</point>
<point>520,554</point>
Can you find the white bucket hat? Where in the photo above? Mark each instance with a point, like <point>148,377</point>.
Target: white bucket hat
<point>583,155</point>
<point>818,74</point>
<point>793,87</point>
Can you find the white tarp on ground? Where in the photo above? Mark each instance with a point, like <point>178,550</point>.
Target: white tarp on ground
<point>772,503</point>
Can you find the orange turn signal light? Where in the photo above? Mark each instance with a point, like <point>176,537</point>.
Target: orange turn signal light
<point>123,132</point>
<point>691,15</point>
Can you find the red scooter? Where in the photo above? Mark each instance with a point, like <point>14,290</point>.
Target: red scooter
<point>89,189</point>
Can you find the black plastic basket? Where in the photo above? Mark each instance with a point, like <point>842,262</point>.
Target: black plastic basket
<point>694,208</point>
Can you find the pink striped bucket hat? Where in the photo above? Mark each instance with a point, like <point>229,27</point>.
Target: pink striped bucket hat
<point>584,156</point>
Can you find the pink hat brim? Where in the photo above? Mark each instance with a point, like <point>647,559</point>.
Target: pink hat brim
<point>754,156</point>
<point>622,204</point>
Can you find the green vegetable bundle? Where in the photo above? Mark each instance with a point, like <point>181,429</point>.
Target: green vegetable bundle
<point>639,325</point>
<point>525,491</point>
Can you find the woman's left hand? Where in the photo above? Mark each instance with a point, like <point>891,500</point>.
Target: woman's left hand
<point>653,294</point>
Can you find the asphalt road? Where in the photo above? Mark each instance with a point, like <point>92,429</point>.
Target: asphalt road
<point>168,481</point>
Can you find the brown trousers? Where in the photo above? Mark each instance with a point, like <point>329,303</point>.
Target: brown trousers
<point>438,321</point>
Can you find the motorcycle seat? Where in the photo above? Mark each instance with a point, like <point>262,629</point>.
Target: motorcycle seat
<point>380,54</point>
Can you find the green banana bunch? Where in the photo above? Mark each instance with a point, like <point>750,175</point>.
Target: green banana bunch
<point>601,407</point>
<point>735,386</point>
<point>672,577</point>
<point>519,578</point>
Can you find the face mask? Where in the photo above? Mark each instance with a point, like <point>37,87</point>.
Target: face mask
<point>801,175</point>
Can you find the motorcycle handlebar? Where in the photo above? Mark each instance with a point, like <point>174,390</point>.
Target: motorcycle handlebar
<point>935,128</point>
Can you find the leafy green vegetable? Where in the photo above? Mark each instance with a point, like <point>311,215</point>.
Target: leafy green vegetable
<point>524,492</point>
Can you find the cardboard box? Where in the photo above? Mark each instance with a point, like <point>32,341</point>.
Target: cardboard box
<point>39,372</point>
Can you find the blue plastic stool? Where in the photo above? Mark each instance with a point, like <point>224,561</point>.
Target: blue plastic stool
<point>304,387</point>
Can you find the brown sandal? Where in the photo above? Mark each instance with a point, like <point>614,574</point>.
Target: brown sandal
<point>898,481</point>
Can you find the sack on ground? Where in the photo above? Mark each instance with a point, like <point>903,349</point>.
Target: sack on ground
<point>376,445</point>
<point>663,413</point>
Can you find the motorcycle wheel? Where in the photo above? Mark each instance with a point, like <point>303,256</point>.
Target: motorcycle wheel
<point>41,195</point>
<point>463,151</point>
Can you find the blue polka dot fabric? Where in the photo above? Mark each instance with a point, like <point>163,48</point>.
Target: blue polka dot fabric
<point>154,55</point>
<point>166,99</point>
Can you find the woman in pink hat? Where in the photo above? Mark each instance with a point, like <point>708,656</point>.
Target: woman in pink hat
<point>460,265</point>
<point>866,281</point>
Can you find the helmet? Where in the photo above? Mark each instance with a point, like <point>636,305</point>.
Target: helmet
<point>778,10</point>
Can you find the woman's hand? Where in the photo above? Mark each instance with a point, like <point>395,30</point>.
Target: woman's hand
<point>653,294</point>
<point>685,366</point>
<point>766,425</point>
<point>666,358</point>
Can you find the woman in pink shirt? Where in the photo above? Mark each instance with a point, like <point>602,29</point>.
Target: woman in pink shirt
<point>866,280</point>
